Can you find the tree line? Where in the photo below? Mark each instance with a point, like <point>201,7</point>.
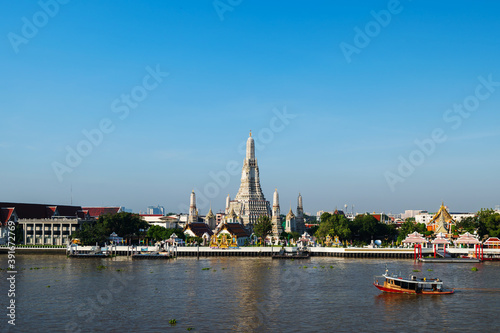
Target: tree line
<point>362,230</point>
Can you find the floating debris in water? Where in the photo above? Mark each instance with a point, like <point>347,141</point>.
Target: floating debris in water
<point>101,267</point>
<point>172,321</point>
<point>416,270</point>
<point>205,269</point>
<point>429,270</point>
<point>474,269</point>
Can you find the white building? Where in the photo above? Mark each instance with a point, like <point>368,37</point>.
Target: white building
<point>426,217</point>
<point>411,213</point>
<point>169,222</point>
<point>43,224</point>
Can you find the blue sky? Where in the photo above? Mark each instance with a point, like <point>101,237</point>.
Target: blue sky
<point>352,119</point>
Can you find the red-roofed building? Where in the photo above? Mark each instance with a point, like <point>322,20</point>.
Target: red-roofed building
<point>95,212</point>
<point>235,229</point>
<point>492,243</point>
<point>383,218</point>
<point>7,214</point>
<point>42,224</point>
<point>198,229</point>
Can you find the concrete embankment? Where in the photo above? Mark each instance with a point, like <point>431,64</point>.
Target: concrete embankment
<point>204,251</point>
<point>34,250</point>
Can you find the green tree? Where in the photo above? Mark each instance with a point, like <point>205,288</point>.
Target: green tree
<point>295,235</point>
<point>123,224</point>
<point>263,227</point>
<point>366,228</point>
<point>334,225</point>
<point>467,224</point>
<point>178,232</point>
<point>157,233</point>
<point>488,223</point>
<point>19,233</point>
<point>91,233</point>
<point>410,227</point>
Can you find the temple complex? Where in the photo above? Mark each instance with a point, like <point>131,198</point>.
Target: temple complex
<point>249,204</point>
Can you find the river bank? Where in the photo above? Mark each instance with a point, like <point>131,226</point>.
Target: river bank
<point>264,251</point>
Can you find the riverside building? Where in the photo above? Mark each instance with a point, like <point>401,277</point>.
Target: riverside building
<point>45,224</point>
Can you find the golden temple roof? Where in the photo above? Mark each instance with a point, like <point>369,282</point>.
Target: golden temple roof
<point>442,215</point>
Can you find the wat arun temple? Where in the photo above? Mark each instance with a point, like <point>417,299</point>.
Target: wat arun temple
<point>250,204</point>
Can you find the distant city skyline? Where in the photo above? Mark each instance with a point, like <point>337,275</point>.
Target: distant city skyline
<point>379,105</point>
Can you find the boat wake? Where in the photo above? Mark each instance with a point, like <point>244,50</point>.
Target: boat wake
<point>486,290</point>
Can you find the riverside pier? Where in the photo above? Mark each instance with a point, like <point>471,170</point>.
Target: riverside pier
<point>263,251</point>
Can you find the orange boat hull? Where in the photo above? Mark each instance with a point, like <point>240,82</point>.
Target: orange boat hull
<point>407,291</point>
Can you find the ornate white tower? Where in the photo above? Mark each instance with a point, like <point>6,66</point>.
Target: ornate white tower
<point>290,221</point>
<point>193,212</point>
<point>299,220</point>
<point>228,201</point>
<point>276,219</point>
<point>210,219</point>
<point>250,203</point>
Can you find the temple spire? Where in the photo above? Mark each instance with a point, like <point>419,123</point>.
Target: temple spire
<point>250,148</point>
<point>249,202</point>
<point>193,212</point>
<point>277,228</point>
<point>276,203</point>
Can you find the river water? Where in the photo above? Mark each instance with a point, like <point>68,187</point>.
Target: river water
<point>55,293</point>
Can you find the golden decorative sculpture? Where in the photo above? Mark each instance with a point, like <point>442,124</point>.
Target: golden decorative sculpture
<point>223,242</point>
<point>213,241</point>
<point>328,240</point>
<point>234,241</point>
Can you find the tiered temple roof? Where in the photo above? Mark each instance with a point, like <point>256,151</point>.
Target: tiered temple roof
<point>441,222</point>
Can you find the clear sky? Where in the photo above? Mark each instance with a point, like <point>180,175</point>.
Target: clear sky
<point>336,94</point>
